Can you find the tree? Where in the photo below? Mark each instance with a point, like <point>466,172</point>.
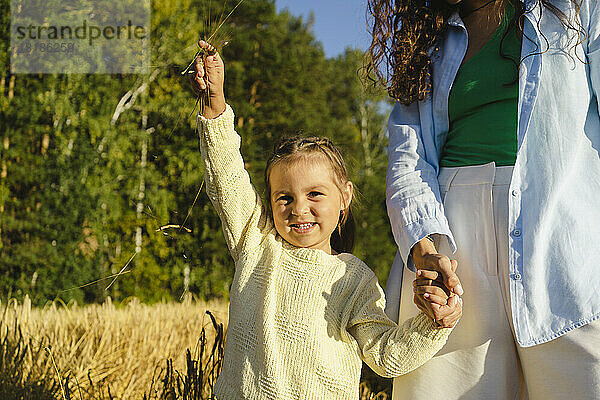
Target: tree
<point>102,173</point>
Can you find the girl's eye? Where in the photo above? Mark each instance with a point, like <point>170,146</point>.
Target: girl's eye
<point>285,199</point>
<point>315,194</point>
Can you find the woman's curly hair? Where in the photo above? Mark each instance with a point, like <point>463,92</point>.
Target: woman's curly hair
<point>405,32</point>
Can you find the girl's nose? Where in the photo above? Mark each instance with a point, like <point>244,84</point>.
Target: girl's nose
<point>299,208</point>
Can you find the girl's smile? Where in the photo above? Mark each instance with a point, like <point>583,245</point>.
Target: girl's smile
<point>306,202</point>
<point>304,227</point>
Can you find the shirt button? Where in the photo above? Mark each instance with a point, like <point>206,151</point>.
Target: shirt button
<point>515,193</point>
<point>516,277</point>
<point>516,233</point>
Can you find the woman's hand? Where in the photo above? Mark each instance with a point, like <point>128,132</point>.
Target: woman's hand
<point>437,287</point>
<point>426,257</point>
<point>210,75</point>
<point>433,298</point>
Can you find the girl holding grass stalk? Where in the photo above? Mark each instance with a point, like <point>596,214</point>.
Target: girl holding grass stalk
<point>494,156</point>
<point>304,312</point>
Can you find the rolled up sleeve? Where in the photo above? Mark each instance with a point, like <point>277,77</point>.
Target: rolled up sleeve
<point>412,190</point>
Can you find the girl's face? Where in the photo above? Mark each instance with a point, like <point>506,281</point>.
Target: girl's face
<point>306,202</point>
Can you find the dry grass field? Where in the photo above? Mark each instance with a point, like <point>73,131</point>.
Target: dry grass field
<point>122,347</point>
<point>132,351</point>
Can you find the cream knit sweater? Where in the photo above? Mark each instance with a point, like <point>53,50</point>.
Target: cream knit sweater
<point>300,320</point>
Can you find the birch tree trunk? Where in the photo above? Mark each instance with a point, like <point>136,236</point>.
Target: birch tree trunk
<point>142,185</point>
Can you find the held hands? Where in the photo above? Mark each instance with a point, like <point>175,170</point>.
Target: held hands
<point>434,299</point>
<point>436,287</point>
<point>209,75</point>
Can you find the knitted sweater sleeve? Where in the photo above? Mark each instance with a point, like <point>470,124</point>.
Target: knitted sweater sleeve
<point>228,184</point>
<point>389,349</point>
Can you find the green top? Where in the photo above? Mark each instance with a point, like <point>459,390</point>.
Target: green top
<point>482,106</point>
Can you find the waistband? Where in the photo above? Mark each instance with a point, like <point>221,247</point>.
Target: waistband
<point>475,175</point>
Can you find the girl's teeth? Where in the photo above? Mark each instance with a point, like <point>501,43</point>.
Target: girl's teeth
<point>304,226</point>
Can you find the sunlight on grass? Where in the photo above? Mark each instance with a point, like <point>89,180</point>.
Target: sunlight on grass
<point>129,351</point>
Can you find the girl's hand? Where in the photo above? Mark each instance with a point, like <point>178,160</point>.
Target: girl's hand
<point>435,300</point>
<point>210,75</point>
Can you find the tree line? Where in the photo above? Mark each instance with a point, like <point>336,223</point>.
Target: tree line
<point>101,174</point>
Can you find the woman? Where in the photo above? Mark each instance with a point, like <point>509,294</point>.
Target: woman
<point>494,160</point>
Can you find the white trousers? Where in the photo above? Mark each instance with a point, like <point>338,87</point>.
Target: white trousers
<point>481,359</point>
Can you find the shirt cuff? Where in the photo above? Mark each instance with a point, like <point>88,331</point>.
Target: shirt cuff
<point>419,230</point>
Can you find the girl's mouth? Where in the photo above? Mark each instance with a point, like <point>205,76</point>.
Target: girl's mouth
<point>303,228</point>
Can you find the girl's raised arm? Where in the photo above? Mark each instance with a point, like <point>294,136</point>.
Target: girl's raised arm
<point>227,182</point>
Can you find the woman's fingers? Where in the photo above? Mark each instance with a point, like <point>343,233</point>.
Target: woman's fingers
<point>430,282</point>
<point>432,290</point>
<point>423,281</point>
<point>432,275</point>
<point>435,299</point>
<point>435,287</point>
<point>446,267</point>
<point>199,79</point>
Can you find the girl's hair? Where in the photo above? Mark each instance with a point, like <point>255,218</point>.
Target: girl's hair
<point>291,149</point>
<point>405,32</point>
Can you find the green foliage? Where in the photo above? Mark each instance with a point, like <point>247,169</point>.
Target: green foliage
<point>85,183</point>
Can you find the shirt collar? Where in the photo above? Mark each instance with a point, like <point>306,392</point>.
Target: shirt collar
<point>530,5</point>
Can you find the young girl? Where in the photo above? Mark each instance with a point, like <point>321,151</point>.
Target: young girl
<point>303,312</point>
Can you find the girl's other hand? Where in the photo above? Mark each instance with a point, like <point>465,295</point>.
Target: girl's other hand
<point>209,74</point>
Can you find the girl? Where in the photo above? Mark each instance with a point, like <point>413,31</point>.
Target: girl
<point>494,145</point>
<point>303,311</point>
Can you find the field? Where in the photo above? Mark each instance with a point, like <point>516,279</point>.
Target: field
<point>130,351</point>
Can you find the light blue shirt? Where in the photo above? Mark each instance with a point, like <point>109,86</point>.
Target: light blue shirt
<point>554,201</point>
